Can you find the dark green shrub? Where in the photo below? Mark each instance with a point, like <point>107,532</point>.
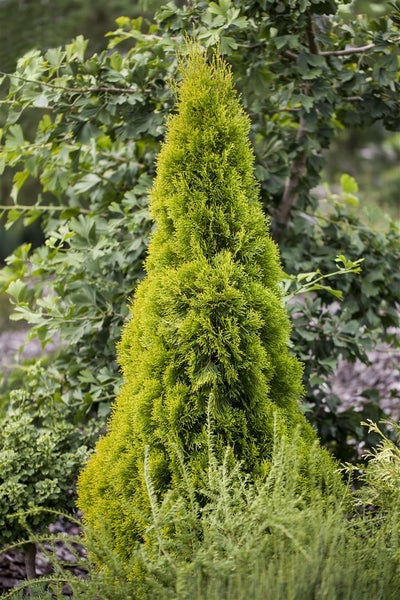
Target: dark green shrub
<point>41,454</point>
<point>205,352</point>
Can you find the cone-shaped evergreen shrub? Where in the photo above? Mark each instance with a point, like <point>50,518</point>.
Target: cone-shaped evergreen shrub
<point>204,356</point>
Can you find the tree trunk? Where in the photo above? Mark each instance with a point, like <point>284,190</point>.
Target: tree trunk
<point>296,172</point>
<point>30,560</point>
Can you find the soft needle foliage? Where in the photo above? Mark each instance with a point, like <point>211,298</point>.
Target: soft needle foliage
<point>205,352</point>
<point>261,540</point>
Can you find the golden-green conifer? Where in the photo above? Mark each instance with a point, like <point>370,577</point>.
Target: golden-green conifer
<point>204,355</point>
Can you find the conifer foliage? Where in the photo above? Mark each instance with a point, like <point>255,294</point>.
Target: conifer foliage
<point>204,355</point>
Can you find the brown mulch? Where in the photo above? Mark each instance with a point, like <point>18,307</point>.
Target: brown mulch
<point>354,381</point>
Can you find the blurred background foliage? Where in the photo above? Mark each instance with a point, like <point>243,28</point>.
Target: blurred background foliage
<point>42,24</point>
<point>371,155</point>
<point>27,24</point>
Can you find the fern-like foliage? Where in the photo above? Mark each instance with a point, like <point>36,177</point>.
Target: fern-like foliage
<point>262,540</point>
<point>381,475</point>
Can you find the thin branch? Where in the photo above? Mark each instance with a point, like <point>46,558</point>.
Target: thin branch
<point>347,51</point>
<point>312,40</point>
<point>299,164</point>
<point>293,109</point>
<point>41,207</point>
<point>291,54</point>
<point>107,89</point>
<point>353,99</point>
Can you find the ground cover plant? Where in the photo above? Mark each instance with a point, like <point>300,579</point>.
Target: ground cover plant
<point>265,541</point>
<point>41,454</point>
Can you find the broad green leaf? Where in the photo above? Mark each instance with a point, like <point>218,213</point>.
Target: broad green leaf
<point>86,183</point>
<point>17,290</point>
<point>41,101</point>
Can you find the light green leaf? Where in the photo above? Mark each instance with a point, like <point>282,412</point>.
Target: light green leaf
<point>349,184</point>
<point>86,183</point>
<point>17,290</point>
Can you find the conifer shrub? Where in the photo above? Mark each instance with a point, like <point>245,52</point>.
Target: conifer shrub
<point>204,356</point>
<point>263,541</point>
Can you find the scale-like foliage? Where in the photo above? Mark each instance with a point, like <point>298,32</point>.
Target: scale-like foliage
<point>204,356</point>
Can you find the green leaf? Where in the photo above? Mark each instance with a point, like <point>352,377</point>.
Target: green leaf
<point>13,215</point>
<point>41,101</point>
<point>19,180</point>
<point>17,290</point>
<point>116,61</point>
<point>76,49</point>
<point>349,184</point>
<point>86,183</point>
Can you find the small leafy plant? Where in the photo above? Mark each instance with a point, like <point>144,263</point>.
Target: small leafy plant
<point>41,454</point>
<point>381,475</point>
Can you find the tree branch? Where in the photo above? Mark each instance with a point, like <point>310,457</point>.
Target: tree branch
<point>41,207</point>
<point>312,40</point>
<point>296,171</point>
<point>109,89</point>
<point>298,166</point>
<point>347,51</point>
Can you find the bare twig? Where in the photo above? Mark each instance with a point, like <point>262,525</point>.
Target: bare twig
<point>347,51</point>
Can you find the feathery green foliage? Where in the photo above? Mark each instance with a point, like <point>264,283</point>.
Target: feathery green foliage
<point>205,352</point>
<point>263,541</point>
<point>243,540</point>
<point>381,476</point>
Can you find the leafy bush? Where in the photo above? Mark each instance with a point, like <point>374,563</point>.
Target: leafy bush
<point>41,454</point>
<point>327,330</point>
<point>381,475</point>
